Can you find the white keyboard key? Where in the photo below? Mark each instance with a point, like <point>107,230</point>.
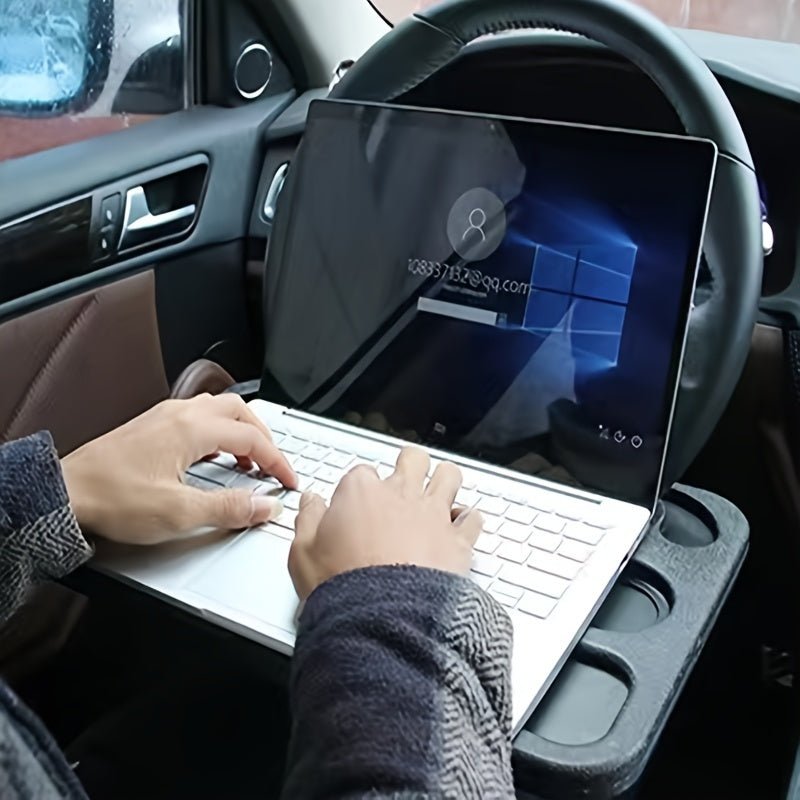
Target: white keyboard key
<point>305,466</point>
<point>336,458</point>
<point>328,474</point>
<point>537,605</point>
<point>201,483</point>
<point>549,522</point>
<point>324,490</point>
<point>292,500</point>
<point>481,580</point>
<point>210,471</point>
<point>286,518</point>
<point>493,505</point>
<point>487,543</point>
<point>277,425</point>
<point>554,564</point>
<point>469,481</point>
<point>514,551</point>
<point>577,551</point>
<point>304,483</point>
<point>599,518</point>
<point>522,514</point>
<point>277,530</point>
<point>277,438</point>
<point>486,564</point>
<point>583,533</point>
<point>272,488</point>
<point>574,509</point>
<point>227,460</point>
<point>534,580</point>
<point>509,589</point>
<point>249,483</point>
<point>514,531</point>
<point>467,498</point>
<point>316,452</point>
<point>293,445</point>
<point>542,501</point>
<point>506,594</point>
<point>545,541</point>
<point>516,494</point>
<point>491,524</point>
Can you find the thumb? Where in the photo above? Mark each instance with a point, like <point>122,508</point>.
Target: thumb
<point>312,510</point>
<point>234,509</point>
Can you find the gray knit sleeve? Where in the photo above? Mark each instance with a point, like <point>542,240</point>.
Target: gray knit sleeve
<point>401,688</point>
<point>39,535</point>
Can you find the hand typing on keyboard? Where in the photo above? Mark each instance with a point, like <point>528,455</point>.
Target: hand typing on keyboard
<point>404,519</point>
<point>127,485</point>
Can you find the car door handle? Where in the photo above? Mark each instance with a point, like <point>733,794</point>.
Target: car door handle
<point>141,226</point>
<point>271,201</point>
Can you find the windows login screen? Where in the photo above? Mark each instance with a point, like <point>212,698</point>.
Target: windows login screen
<point>515,291</point>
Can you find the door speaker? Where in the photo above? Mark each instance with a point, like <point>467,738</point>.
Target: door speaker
<point>253,71</point>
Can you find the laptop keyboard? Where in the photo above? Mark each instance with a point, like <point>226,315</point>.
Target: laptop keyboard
<point>534,542</point>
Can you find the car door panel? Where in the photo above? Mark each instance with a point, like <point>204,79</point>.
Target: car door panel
<point>72,357</point>
<point>87,339</point>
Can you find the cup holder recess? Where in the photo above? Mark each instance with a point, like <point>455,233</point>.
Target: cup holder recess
<point>638,600</point>
<point>580,707</point>
<point>687,522</point>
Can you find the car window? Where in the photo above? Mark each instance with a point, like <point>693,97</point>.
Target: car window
<point>765,19</point>
<point>73,69</point>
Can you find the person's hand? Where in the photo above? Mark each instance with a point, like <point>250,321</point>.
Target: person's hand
<point>127,486</point>
<point>372,522</point>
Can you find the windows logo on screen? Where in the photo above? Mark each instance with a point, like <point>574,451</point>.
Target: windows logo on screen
<point>589,286</point>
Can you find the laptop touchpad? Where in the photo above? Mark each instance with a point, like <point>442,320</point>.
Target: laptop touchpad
<point>251,576</point>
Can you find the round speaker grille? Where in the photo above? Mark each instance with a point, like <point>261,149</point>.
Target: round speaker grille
<point>253,71</point>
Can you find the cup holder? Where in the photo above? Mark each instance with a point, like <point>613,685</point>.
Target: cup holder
<point>687,522</point>
<point>638,600</point>
<point>580,707</point>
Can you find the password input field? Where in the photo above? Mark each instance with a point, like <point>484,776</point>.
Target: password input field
<point>456,311</point>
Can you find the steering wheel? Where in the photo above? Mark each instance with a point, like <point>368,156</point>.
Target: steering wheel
<point>722,321</point>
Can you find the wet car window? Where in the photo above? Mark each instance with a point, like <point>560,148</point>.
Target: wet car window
<point>73,69</point>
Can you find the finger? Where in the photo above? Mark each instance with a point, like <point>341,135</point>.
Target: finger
<point>230,509</point>
<point>469,526</point>
<point>445,483</point>
<point>244,463</point>
<point>456,511</point>
<point>309,517</point>
<point>236,408</point>
<point>246,440</point>
<point>412,469</point>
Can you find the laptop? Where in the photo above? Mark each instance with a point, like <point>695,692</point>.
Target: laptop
<point>512,295</point>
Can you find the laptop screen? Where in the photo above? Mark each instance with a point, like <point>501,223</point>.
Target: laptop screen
<point>510,290</point>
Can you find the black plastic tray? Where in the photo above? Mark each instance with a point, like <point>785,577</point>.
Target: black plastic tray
<point>594,731</point>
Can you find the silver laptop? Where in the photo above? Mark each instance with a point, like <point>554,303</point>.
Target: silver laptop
<point>513,296</point>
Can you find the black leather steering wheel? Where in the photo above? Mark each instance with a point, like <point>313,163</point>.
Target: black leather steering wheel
<point>722,321</point>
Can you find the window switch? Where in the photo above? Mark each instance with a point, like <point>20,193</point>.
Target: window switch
<point>104,244</point>
<point>110,211</point>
